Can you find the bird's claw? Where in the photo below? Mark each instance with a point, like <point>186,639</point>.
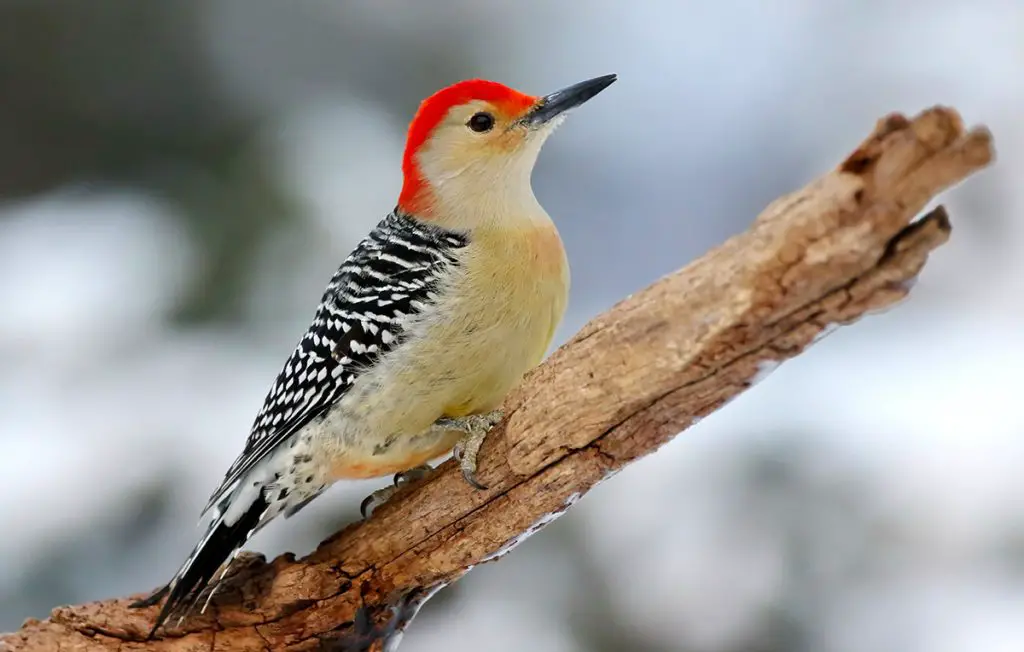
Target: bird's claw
<point>475,427</point>
<point>465,453</point>
<point>381,496</point>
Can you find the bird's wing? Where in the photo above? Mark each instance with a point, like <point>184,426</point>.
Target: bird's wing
<point>390,276</point>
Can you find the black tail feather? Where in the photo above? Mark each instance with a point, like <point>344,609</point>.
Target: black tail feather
<point>152,599</point>
<point>185,589</point>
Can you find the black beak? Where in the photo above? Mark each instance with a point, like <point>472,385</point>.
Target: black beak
<point>561,101</point>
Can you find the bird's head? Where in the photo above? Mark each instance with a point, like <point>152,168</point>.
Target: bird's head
<point>479,138</point>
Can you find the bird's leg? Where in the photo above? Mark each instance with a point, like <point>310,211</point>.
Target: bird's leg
<point>475,427</point>
<point>381,496</point>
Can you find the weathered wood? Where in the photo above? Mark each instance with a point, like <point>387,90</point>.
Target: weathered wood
<point>632,379</point>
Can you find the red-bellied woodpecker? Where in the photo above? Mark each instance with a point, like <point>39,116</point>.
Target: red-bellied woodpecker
<point>422,331</point>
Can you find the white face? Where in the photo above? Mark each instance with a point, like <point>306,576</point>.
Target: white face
<point>477,156</point>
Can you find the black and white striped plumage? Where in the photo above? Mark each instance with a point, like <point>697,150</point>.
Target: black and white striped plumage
<point>392,275</point>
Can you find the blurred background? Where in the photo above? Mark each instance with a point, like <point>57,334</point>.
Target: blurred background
<point>178,180</point>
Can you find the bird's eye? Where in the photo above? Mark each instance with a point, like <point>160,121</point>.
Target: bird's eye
<point>481,122</point>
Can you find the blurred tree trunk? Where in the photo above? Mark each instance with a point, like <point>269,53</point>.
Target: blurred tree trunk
<point>628,382</point>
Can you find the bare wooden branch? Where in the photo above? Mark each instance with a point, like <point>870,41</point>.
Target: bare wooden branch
<point>632,379</point>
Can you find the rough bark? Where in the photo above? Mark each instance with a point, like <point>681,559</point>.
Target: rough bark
<point>631,380</point>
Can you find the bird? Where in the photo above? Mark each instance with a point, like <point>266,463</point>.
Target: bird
<point>421,332</point>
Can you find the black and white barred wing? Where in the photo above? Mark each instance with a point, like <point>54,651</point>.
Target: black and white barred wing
<point>390,276</point>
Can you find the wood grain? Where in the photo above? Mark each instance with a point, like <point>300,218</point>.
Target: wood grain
<point>845,245</point>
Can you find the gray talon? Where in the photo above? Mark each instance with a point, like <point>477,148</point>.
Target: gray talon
<point>375,500</point>
<point>475,428</point>
<point>413,475</point>
<point>381,496</point>
<point>469,475</point>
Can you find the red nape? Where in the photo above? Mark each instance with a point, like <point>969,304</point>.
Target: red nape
<point>432,110</point>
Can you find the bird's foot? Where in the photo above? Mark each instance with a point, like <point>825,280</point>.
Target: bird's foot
<point>381,496</point>
<point>475,427</point>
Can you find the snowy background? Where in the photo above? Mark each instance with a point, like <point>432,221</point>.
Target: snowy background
<point>178,181</point>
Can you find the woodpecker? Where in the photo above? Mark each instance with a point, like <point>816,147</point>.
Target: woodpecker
<point>421,332</point>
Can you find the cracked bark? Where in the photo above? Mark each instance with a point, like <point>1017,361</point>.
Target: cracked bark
<point>845,245</point>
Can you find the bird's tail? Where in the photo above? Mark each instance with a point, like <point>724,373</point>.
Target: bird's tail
<point>220,543</point>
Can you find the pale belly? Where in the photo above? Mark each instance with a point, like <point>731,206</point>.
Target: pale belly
<point>459,362</point>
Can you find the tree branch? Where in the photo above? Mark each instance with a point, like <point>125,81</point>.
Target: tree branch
<point>628,382</point>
